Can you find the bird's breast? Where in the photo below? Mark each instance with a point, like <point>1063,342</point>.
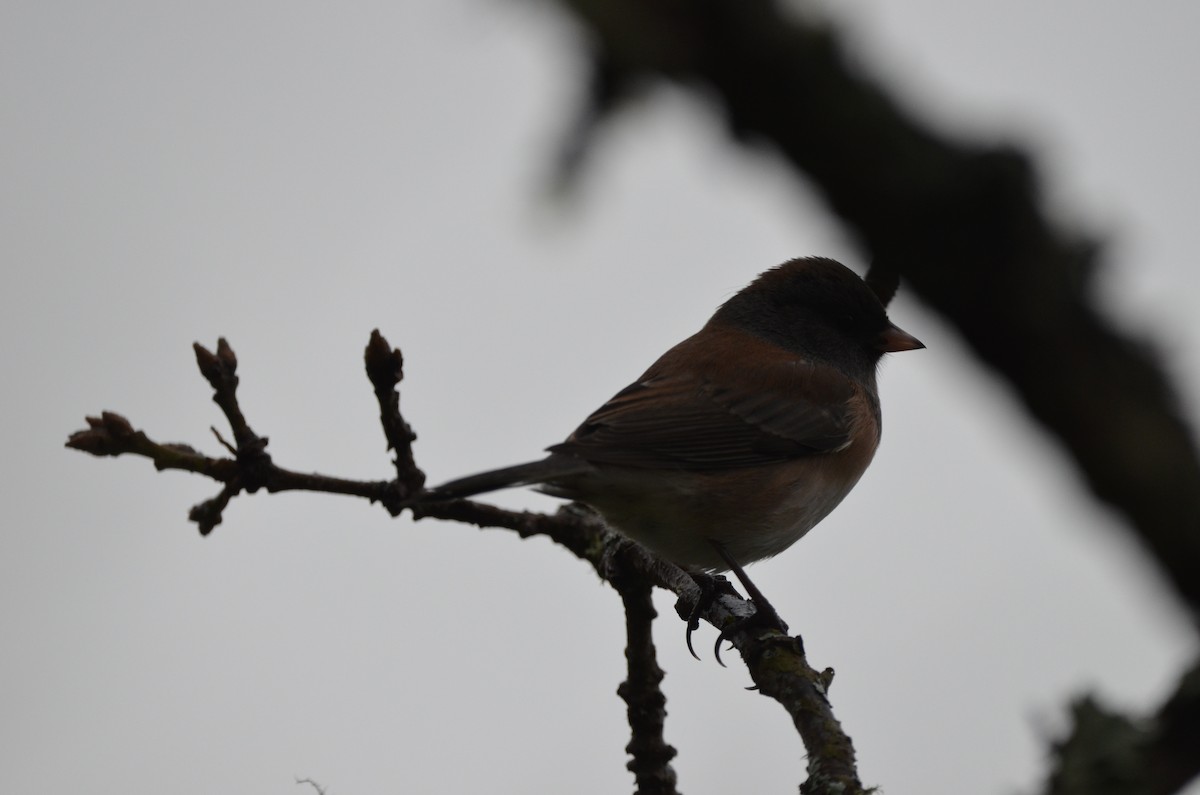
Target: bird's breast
<point>754,513</point>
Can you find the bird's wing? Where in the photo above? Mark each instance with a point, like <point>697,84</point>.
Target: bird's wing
<point>722,415</point>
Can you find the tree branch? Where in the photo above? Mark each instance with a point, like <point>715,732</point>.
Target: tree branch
<point>385,369</point>
<point>651,763</point>
<point>776,662</point>
<point>1107,752</point>
<point>110,434</point>
<point>251,468</point>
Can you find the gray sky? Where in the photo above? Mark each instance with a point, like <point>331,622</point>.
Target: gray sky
<point>292,175</point>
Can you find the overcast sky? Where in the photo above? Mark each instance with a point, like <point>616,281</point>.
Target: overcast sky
<point>292,175</point>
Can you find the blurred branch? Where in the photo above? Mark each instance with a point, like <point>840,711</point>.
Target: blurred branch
<point>320,790</point>
<point>1107,753</point>
<point>962,221</point>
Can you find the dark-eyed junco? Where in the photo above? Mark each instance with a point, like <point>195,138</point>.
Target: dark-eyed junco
<point>740,438</point>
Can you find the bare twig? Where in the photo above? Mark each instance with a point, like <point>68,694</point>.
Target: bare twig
<point>220,370</point>
<point>251,468</point>
<point>646,704</point>
<point>110,434</point>
<point>320,790</point>
<point>776,663</point>
<point>385,368</point>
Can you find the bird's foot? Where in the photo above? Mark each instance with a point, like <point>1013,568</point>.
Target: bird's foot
<point>764,616</point>
<point>711,586</point>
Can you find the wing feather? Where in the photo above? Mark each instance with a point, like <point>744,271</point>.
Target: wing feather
<point>709,418</point>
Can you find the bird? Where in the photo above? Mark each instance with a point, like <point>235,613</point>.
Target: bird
<point>745,434</point>
<point>742,437</point>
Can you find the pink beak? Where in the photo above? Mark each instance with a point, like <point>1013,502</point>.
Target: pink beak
<point>894,340</point>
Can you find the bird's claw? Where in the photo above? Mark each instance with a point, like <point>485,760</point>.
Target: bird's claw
<point>764,617</point>
<point>711,586</point>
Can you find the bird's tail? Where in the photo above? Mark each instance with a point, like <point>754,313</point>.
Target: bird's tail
<point>549,468</point>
